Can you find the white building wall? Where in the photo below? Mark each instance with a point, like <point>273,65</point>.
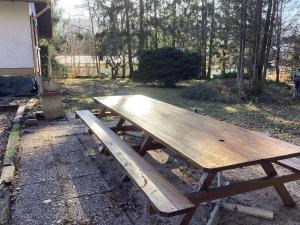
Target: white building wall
<point>15,36</point>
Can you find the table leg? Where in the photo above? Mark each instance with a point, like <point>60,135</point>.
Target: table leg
<point>142,151</point>
<point>203,185</point>
<point>279,187</point>
<point>119,125</point>
<point>147,141</point>
<point>102,113</point>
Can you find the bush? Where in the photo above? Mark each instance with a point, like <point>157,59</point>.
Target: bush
<point>201,91</point>
<point>228,75</point>
<point>167,66</point>
<point>214,90</point>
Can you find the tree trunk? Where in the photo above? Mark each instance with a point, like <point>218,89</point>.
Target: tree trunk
<point>94,37</point>
<point>211,40</point>
<point>256,84</point>
<point>264,41</point>
<point>124,66</point>
<point>278,38</point>
<point>155,25</point>
<point>141,31</point>
<point>128,33</point>
<point>204,37</point>
<point>173,32</point>
<point>269,42</point>
<point>241,63</point>
<point>224,53</point>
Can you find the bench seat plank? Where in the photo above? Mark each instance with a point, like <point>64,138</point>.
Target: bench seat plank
<point>166,199</point>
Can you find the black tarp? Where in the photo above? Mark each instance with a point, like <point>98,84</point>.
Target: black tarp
<point>17,86</point>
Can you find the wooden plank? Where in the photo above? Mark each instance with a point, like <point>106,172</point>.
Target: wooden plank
<point>292,164</point>
<point>9,108</point>
<point>151,146</point>
<point>166,199</point>
<point>202,140</point>
<point>279,187</point>
<point>19,115</point>
<point>249,210</point>
<point>241,187</point>
<point>125,128</point>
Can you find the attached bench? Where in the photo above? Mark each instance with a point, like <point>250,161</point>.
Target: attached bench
<point>164,197</point>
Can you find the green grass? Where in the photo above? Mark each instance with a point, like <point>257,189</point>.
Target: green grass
<point>280,119</point>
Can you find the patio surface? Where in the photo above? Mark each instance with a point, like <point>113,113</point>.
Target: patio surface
<point>62,179</point>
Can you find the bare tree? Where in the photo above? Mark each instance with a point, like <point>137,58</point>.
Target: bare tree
<point>211,39</point>
<point>278,38</point>
<point>243,31</point>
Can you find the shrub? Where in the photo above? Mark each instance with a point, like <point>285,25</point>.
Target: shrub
<point>214,90</point>
<point>228,75</point>
<point>167,66</point>
<point>201,91</point>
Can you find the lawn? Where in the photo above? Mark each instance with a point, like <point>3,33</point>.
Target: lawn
<point>276,113</point>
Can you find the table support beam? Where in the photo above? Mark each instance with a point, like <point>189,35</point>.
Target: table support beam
<point>145,145</point>
<point>279,187</point>
<point>242,187</point>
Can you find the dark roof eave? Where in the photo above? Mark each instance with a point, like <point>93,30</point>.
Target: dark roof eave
<point>44,21</point>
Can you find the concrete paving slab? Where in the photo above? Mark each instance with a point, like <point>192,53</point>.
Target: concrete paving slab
<point>96,209</point>
<point>77,170</point>
<point>39,214</point>
<point>68,147</point>
<point>68,156</point>
<point>85,185</point>
<point>88,141</point>
<point>36,159</point>
<point>27,143</point>
<point>27,177</point>
<point>31,194</point>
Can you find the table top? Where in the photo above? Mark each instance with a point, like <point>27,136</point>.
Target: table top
<point>206,142</point>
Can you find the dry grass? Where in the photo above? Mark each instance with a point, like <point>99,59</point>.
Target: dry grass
<point>276,111</point>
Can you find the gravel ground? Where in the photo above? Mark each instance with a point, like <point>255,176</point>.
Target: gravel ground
<point>62,179</point>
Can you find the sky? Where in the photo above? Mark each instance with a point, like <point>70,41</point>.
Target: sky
<point>72,8</point>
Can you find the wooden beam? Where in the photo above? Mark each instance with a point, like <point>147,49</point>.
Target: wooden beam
<point>146,143</point>
<point>242,187</point>
<point>152,146</point>
<point>279,187</point>
<point>9,108</point>
<point>125,128</point>
<point>249,210</point>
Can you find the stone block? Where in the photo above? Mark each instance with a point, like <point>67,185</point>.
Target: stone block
<point>4,206</point>
<point>52,106</point>
<point>31,122</point>
<point>8,174</point>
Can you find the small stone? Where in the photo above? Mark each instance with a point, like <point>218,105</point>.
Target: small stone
<point>39,114</point>
<point>31,122</point>
<point>47,201</point>
<point>8,174</point>
<point>30,115</point>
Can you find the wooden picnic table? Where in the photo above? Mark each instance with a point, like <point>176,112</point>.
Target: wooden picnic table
<point>207,143</point>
